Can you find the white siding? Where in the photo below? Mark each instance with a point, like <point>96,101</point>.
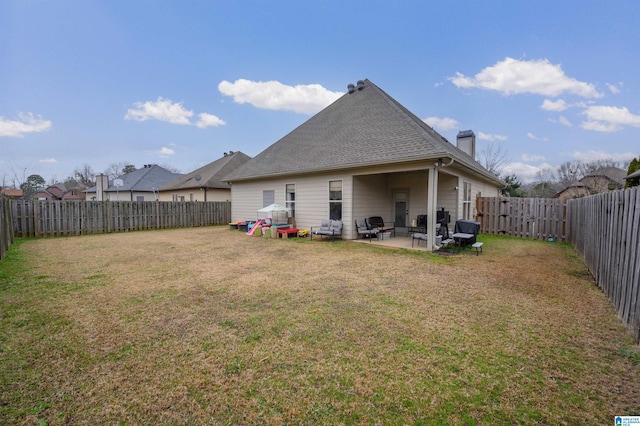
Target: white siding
<point>312,199</point>
<point>366,197</point>
<point>198,194</point>
<point>477,187</point>
<point>447,193</point>
<point>127,196</point>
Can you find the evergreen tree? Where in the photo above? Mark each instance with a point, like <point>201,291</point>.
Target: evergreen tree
<point>634,166</point>
<point>512,189</point>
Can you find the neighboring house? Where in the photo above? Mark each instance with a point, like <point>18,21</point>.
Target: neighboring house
<point>601,180</point>
<point>205,183</point>
<point>139,185</point>
<point>62,191</point>
<point>12,193</point>
<point>364,155</point>
<point>634,175</point>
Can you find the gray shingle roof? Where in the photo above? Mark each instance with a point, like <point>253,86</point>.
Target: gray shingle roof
<point>362,128</point>
<point>613,173</point>
<point>147,179</point>
<point>210,175</point>
<point>633,175</point>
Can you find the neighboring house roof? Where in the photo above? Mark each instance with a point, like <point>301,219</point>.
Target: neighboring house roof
<point>147,179</point>
<point>633,175</point>
<point>60,191</point>
<point>209,176</point>
<point>12,192</point>
<point>613,173</point>
<point>364,127</point>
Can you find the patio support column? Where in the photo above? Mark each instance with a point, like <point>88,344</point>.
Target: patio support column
<point>432,201</point>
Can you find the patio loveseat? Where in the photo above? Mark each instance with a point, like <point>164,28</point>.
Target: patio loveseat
<point>328,228</point>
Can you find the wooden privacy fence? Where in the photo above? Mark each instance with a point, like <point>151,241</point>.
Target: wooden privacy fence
<point>40,218</point>
<point>6,228</point>
<point>605,230</point>
<point>537,218</point>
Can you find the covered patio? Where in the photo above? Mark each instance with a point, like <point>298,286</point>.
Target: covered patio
<point>401,197</point>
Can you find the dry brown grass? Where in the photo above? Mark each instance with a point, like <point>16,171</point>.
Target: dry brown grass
<point>209,326</point>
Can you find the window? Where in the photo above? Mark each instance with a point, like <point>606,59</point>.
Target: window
<point>191,196</point>
<point>466,201</point>
<point>268,197</point>
<point>139,197</point>
<point>290,201</point>
<point>335,200</point>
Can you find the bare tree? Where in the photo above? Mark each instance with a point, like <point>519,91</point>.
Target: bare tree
<point>16,176</point>
<point>118,169</point>
<point>85,175</point>
<point>570,172</point>
<point>492,157</point>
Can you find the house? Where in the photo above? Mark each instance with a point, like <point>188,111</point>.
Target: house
<point>633,176</point>
<point>364,155</point>
<point>62,191</point>
<point>205,183</point>
<point>601,180</point>
<point>12,193</point>
<point>139,185</point>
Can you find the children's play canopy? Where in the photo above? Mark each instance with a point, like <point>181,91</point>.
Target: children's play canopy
<point>274,208</point>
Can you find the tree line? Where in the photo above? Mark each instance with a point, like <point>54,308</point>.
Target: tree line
<point>549,181</point>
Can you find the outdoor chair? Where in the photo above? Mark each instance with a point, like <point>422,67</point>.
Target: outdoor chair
<point>418,236</point>
<point>328,228</point>
<point>376,222</point>
<point>364,230</point>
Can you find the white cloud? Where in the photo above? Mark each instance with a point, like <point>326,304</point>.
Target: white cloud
<point>208,120</point>
<point>441,123</point>
<point>165,152</point>
<point>171,112</point>
<point>539,77</point>
<point>532,158</point>
<point>26,123</point>
<point>592,155</point>
<point>536,138</point>
<point>562,120</point>
<point>490,137</point>
<point>525,172</point>
<point>161,109</point>
<point>48,160</point>
<point>609,119</point>
<point>559,105</point>
<point>303,98</point>
<point>615,89</point>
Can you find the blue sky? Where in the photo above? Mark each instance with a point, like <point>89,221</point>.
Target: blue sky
<point>181,82</point>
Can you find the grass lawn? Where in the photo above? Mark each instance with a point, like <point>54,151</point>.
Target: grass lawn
<point>209,326</point>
